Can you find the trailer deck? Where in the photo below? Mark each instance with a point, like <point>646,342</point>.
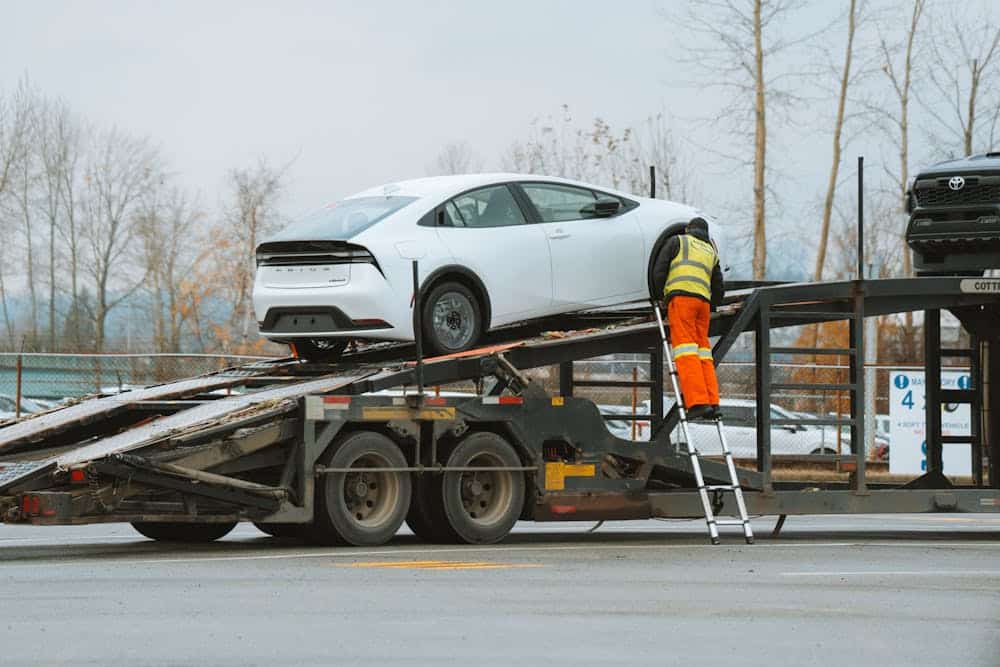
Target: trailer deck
<point>267,442</point>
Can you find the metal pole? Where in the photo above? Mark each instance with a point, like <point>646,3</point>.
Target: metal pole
<point>635,399</point>
<point>861,217</point>
<point>652,182</point>
<point>17,406</point>
<point>417,330</point>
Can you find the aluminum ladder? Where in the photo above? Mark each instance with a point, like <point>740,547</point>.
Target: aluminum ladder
<point>704,489</point>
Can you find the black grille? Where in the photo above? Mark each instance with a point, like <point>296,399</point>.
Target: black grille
<point>976,191</point>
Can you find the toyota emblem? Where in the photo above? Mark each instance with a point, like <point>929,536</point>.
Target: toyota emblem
<point>956,183</point>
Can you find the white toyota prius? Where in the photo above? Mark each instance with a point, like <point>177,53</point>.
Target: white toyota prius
<point>492,250</point>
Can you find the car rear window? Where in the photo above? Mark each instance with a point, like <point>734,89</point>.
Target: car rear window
<point>342,220</point>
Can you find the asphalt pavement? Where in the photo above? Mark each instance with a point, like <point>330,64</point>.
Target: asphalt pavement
<point>871,590</point>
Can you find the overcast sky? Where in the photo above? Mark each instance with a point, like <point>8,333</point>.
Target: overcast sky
<point>362,93</point>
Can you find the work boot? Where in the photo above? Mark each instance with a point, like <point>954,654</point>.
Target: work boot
<point>696,412</point>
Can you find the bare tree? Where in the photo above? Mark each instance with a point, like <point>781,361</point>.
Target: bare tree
<point>25,190</point>
<point>455,158</point>
<point>166,228</point>
<point>598,153</point>
<point>838,129</point>
<point>742,39</point>
<point>251,214</point>
<point>898,66</point>
<point>58,148</point>
<point>15,125</point>
<point>121,171</point>
<point>965,52</point>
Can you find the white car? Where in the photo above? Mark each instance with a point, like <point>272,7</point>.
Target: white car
<point>739,419</point>
<point>493,249</point>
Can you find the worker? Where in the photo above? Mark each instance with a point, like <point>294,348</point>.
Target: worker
<point>687,276</point>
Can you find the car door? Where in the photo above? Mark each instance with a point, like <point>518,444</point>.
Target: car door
<point>595,260</point>
<point>486,231</point>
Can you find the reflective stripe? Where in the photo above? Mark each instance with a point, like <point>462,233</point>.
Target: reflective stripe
<point>691,269</point>
<point>689,279</point>
<point>705,353</point>
<point>685,350</point>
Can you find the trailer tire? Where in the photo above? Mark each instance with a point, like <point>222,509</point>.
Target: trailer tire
<point>183,532</point>
<point>426,516</point>
<point>481,508</point>
<point>280,529</point>
<point>361,509</point>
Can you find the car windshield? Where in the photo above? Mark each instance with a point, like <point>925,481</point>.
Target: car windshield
<point>342,220</point>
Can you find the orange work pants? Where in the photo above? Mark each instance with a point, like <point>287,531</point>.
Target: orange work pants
<point>688,319</point>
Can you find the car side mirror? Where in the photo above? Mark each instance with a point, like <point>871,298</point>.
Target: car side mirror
<point>603,207</point>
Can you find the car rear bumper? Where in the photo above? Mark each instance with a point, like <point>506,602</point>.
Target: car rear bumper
<point>365,308</point>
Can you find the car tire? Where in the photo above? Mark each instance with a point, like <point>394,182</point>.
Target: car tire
<point>823,451</point>
<point>183,532</point>
<point>451,318</point>
<point>481,508</point>
<point>361,509</point>
<point>324,350</point>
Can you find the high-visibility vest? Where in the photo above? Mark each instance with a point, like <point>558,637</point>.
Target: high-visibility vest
<point>691,269</point>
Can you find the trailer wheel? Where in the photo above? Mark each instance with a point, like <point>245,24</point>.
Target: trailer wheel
<point>482,507</point>
<point>280,529</point>
<point>361,508</point>
<point>183,532</point>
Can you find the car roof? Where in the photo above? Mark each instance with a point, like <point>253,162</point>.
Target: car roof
<point>446,186</point>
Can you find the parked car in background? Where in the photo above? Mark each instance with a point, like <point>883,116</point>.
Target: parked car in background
<point>740,424</point>
<point>493,249</point>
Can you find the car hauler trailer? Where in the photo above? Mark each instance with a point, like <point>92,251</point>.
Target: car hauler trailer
<point>309,450</point>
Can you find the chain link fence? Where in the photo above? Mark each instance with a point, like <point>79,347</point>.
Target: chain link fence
<point>54,377</point>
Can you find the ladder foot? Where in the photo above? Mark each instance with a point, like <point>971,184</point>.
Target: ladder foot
<point>715,540</point>
<point>749,540</point>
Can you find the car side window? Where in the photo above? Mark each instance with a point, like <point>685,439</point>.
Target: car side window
<point>739,415</point>
<point>487,207</point>
<point>559,203</point>
<point>448,216</point>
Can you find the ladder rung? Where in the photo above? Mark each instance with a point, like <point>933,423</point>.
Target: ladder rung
<point>813,350</point>
<point>819,386</point>
<point>730,522</point>
<point>954,352</point>
<point>720,487</point>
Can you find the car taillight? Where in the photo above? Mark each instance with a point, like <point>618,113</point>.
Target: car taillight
<point>308,254</point>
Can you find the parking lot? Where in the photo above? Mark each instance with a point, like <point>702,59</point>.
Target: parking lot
<point>861,590</point>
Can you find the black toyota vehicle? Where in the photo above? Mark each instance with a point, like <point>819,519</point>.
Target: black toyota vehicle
<point>954,211</point>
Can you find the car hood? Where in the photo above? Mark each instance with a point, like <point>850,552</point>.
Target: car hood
<point>989,162</point>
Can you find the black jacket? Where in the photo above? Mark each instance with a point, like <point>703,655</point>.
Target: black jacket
<point>661,267</point>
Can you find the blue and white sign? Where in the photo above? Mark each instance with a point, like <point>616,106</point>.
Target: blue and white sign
<point>908,451</point>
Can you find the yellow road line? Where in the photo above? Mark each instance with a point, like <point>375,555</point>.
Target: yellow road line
<point>436,565</point>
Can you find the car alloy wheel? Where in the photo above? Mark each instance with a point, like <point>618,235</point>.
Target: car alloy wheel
<point>452,318</point>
